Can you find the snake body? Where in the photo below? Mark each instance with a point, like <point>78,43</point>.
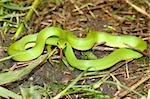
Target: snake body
<point>62,38</point>
<point>101,63</point>
<point>40,39</point>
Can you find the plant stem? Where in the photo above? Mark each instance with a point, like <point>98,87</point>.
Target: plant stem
<point>21,27</point>
<point>69,86</point>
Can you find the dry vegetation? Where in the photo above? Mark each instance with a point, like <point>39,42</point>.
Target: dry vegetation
<point>127,80</point>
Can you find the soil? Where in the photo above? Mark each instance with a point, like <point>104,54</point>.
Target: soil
<point>113,16</point>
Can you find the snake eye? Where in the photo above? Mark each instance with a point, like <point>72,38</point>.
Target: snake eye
<point>57,43</point>
<point>65,44</point>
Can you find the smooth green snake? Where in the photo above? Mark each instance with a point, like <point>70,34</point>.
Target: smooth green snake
<point>67,40</point>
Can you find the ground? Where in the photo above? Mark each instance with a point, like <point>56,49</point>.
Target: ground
<point>127,79</point>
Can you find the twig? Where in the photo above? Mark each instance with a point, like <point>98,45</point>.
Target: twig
<point>123,86</point>
<point>144,79</point>
<point>138,8</point>
<point>98,83</point>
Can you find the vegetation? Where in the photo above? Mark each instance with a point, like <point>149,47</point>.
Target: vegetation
<point>52,79</point>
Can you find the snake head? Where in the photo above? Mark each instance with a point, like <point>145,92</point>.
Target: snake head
<point>62,43</point>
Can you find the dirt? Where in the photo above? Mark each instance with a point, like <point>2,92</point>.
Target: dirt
<point>112,16</point>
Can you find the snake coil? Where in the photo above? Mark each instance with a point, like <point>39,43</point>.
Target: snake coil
<point>65,39</point>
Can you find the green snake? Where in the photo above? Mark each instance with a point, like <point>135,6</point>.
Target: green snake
<point>67,41</point>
